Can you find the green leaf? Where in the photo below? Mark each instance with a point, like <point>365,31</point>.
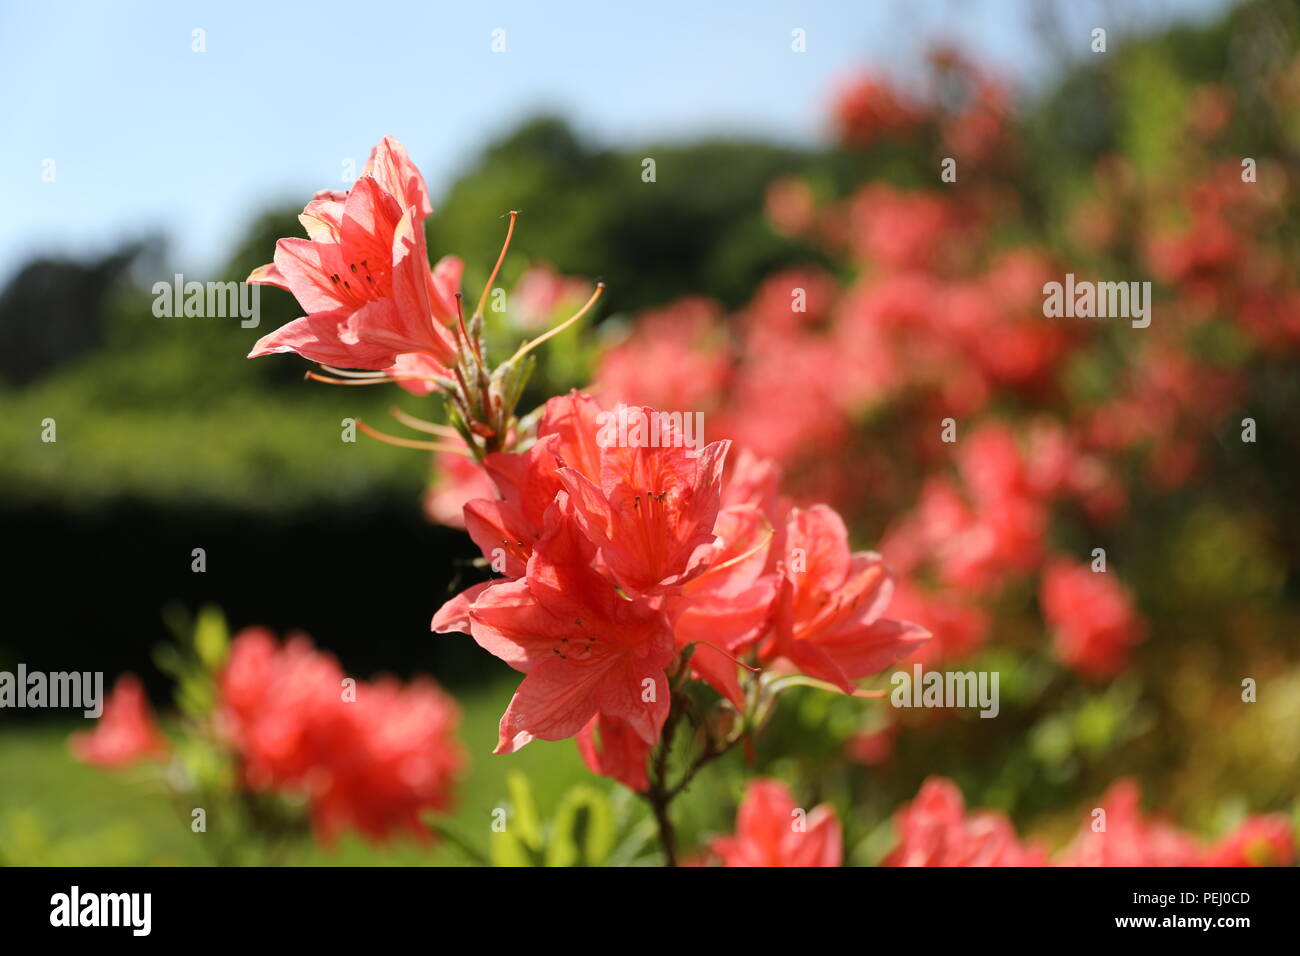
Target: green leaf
<point>506,849</point>
<point>583,833</point>
<point>524,820</point>
<point>211,637</point>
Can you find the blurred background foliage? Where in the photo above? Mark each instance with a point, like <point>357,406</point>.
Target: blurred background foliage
<point>169,439</point>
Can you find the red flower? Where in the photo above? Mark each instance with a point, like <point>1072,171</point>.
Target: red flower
<point>363,276</point>
<point>528,482</point>
<point>375,762</point>
<point>676,357</point>
<point>124,733</point>
<point>995,529</point>
<point>612,747</point>
<point>729,606</point>
<point>399,759</point>
<point>1092,617</point>
<point>829,614</point>
<point>772,831</point>
<point>651,510</point>
<point>1258,841</point>
<point>1129,838</point>
<point>935,830</point>
<point>586,649</point>
<point>957,628</point>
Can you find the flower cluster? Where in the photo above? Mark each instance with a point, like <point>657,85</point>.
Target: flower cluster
<point>371,757</point>
<point>935,829</point>
<point>772,831</point>
<point>630,564</point>
<point>936,315</point>
<point>629,569</point>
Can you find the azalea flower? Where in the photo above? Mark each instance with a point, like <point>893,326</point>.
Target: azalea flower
<point>1259,841</point>
<point>772,831</point>
<point>586,649</point>
<point>829,619</point>
<point>541,291</point>
<point>868,107</point>
<point>612,748</point>
<point>374,763</point>
<point>1130,838</point>
<point>728,608</point>
<point>124,733</point>
<point>651,512</point>
<point>1091,616</point>
<point>935,830</point>
<point>620,562</point>
<point>363,277</point>
<point>528,481</point>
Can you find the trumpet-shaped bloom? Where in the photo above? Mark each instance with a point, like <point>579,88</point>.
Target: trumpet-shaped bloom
<point>651,511</point>
<point>363,275</point>
<point>528,481</point>
<point>829,619</point>
<point>1130,838</point>
<point>586,649</point>
<point>772,831</point>
<point>935,830</point>
<point>729,606</point>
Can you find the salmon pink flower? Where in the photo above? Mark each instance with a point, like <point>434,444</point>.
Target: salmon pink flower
<point>729,606</point>
<point>541,292</point>
<point>375,762</point>
<point>398,760</point>
<point>1258,841</point>
<point>1130,838</point>
<point>676,357</point>
<point>772,831</point>
<point>586,649</point>
<point>611,747</point>
<point>935,830</point>
<point>363,276</point>
<point>650,511</point>
<point>124,733</point>
<point>829,619</point>
<point>1092,617</point>
<point>957,628</point>
<point>528,481</point>
<point>867,107</point>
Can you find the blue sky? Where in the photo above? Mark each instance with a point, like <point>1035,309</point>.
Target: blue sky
<point>147,135</point>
